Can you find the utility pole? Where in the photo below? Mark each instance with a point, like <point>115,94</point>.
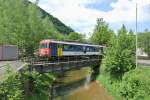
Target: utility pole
<point>136,39</point>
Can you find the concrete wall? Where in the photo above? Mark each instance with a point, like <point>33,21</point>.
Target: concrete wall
<point>8,52</point>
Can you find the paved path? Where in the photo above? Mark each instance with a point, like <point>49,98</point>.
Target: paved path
<point>15,65</point>
<point>144,62</point>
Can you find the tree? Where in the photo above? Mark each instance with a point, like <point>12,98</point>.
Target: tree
<point>25,26</point>
<point>102,33</point>
<point>120,56</point>
<point>76,36</point>
<point>144,42</point>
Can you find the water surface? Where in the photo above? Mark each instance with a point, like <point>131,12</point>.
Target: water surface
<point>77,85</point>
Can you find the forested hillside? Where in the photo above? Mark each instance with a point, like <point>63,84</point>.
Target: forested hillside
<point>24,24</point>
<point>61,27</point>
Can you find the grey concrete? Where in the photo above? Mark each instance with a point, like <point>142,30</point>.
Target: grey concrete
<point>144,62</point>
<point>15,65</point>
<point>8,52</point>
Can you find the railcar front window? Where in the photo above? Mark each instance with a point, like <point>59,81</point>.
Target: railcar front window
<point>43,45</point>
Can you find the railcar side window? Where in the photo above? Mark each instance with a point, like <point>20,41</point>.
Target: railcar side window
<point>92,49</point>
<point>43,45</point>
<point>97,49</point>
<point>60,45</point>
<point>70,47</point>
<point>87,49</point>
<point>66,47</point>
<point>84,48</point>
<point>79,48</point>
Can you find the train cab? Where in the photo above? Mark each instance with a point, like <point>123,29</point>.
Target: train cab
<point>49,48</point>
<point>44,48</point>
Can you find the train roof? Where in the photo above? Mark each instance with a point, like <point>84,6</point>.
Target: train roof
<point>71,43</point>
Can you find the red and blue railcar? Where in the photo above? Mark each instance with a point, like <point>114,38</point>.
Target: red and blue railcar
<point>51,48</point>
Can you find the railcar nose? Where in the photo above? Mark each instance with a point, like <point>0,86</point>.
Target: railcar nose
<point>44,52</point>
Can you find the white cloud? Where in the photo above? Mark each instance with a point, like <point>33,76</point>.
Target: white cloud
<point>74,13</point>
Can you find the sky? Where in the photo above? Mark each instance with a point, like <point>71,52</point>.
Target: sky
<point>81,15</point>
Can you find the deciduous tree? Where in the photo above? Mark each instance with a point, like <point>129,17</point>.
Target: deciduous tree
<point>120,56</point>
<point>102,33</point>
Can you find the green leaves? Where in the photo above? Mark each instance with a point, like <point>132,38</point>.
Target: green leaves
<point>124,82</point>
<point>11,88</point>
<point>102,33</point>
<point>25,85</point>
<point>76,36</point>
<point>120,56</point>
<point>24,24</point>
<point>135,84</point>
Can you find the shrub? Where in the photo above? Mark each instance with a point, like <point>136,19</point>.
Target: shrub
<point>135,84</point>
<point>11,87</point>
<point>25,85</point>
<point>120,56</point>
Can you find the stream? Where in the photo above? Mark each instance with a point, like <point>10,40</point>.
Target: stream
<point>77,85</point>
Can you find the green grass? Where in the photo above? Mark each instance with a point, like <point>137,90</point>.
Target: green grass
<point>110,86</point>
<point>133,86</point>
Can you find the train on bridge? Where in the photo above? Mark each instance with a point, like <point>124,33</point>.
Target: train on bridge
<point>66,55</point>
<point>60,49</point>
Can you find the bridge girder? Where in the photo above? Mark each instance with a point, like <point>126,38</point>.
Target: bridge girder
<point>63,66</point>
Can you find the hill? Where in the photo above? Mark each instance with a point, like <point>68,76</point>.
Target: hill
<point>61,27</point>
<point>24,24</point>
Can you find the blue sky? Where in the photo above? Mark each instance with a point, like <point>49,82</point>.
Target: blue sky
<point>81,15</point>
<point>104,5</point>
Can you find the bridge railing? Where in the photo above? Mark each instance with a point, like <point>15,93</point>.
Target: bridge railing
<point>63,65</point>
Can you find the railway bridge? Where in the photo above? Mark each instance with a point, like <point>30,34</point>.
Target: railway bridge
<point>59,65</point>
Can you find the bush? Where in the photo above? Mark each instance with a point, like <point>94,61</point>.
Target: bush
<point>39,88</point>
<point>135,84</point>
<point>25,85</point>
<point>120,56</point>
<point>11,87</point>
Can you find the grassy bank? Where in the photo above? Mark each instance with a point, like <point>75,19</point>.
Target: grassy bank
<point>134,85</point>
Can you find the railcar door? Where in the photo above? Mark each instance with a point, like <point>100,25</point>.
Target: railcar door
<point>54,49</point>
<point>84,49</point>
<point>59,50</point>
